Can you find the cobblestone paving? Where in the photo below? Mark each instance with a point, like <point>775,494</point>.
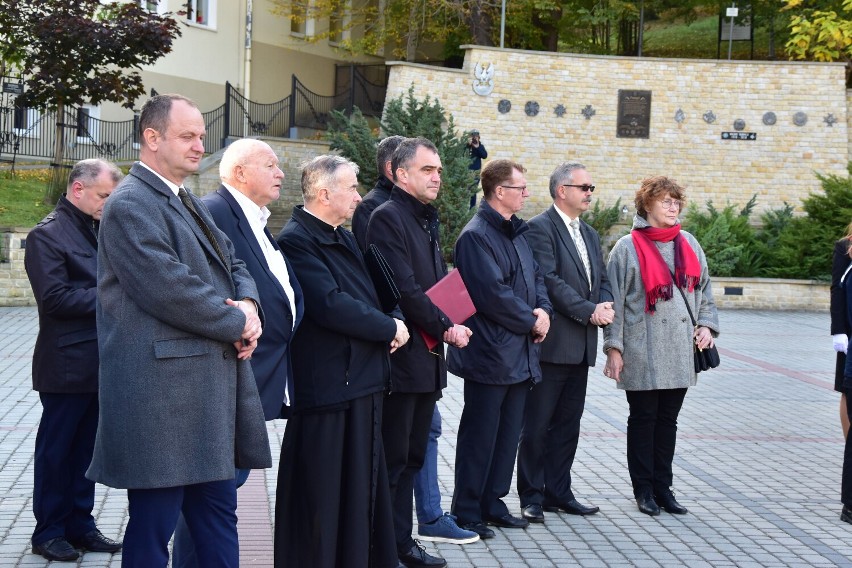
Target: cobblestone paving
<point>758,464</point>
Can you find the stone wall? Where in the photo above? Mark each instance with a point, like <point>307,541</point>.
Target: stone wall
<point>778,166</point>
<point>14,286</point>
<point>771,294</point>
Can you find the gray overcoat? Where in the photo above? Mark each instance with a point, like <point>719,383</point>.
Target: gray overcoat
<point>656,348</point>
<point>175,403</point>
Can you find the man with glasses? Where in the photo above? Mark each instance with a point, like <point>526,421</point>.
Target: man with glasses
<point>568,252</point>
<point>501,362</point>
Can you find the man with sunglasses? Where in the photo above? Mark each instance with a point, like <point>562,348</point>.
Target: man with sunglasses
<point>568,252</point>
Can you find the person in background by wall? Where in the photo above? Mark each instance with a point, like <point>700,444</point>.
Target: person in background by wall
<point>477,152</point>
<point>840,328</point>
<point>61,260</point>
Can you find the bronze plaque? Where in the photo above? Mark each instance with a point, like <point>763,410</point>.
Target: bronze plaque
<point>634,114</point>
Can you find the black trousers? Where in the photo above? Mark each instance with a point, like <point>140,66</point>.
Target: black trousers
<point>485,451</point>
<point>63,498</point>
<point>406,420</point>
<point>651,437</point>
<point>846,479</point>
<point>551,430</point>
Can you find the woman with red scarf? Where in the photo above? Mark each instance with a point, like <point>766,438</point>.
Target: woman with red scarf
<point>649,343</point>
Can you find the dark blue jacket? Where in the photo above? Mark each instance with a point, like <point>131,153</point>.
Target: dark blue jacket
<point>61,260</point>
<point>375,197</point>
<point>505,284</point>
<point>476,156</point>
<point>340,351</point>
<point>270,362</point>
<point>406,233</point>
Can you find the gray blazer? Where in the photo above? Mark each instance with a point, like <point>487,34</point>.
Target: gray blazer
<point>572,339</point>
<point>176,406</point>
<point>656,348</point>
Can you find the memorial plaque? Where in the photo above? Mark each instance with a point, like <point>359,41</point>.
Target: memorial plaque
<point>634,114</point>
<point>739,136</point>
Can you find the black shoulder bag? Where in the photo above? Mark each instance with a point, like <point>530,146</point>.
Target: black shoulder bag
<point>704,358</point>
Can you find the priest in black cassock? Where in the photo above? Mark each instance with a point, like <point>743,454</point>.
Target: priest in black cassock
<point>332,474</point>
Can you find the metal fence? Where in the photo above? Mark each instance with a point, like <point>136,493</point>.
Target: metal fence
<point>33,133</point>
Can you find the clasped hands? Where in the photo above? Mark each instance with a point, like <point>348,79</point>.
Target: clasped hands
<point>251,331</point>
<point>603,314</point>
<point>541,326</point>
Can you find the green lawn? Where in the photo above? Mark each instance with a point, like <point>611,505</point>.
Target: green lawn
<point>698,40</point>
<point>21,198</point>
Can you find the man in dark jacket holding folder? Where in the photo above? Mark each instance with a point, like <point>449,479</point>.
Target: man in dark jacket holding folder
<point>405,230</point>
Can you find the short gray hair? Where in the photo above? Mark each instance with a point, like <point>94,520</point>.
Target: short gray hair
<point>239,153</point>
<point>87,171</point>
<point>563,174</point>
<point>321,171</point>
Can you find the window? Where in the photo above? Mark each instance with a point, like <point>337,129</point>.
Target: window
<point>154,6</point>
<point>298,19</point>
<point>87,124</point>
<point>23,119</point>
<point>201,12</point>
<point>335,28</point>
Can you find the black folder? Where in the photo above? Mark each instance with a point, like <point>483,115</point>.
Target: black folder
<point>382,275</point>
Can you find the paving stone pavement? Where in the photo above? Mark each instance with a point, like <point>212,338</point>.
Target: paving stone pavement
<point>758,465</point>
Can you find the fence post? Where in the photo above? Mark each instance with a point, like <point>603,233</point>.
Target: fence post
<point>292,105</point>
<point>226,126</point>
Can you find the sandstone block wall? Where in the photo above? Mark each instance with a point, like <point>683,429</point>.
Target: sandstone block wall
<point>771,294</point>
<point>779,165</point>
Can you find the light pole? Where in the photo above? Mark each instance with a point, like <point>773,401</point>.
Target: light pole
<point>732,13</point>
<point>502,22</point>
<point>641,25</point>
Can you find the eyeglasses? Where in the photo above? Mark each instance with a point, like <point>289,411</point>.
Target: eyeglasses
<point>670,203</point>
<point>521,187</point>
<point>582,187</point>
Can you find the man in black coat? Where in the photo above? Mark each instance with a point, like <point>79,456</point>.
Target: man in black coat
<point>380,192</point>
<point>568,251</point>
<point>405,230</point>
<point>333,503</point>
<point>501,363</point>
<point>61,262</point>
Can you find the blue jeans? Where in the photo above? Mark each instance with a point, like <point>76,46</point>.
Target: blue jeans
<point>427,495</point>
<point>183,550</point>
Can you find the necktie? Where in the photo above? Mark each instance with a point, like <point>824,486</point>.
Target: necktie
<point>185,199</point>
<point>581,247</point>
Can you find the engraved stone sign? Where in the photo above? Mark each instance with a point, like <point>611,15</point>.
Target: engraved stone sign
<point>634,114</point>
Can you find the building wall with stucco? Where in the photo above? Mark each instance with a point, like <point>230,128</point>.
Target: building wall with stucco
<point>778,165</point>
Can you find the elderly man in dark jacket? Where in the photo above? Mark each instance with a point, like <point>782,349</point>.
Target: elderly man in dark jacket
<point>405,229</point>
<point>333,504</point>
<point>62,263</point>
<point>501,362</point>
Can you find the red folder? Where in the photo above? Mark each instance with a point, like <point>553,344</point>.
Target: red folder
<point>451,296</point>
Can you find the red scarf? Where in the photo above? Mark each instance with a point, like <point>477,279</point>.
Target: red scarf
<point>656,276</point>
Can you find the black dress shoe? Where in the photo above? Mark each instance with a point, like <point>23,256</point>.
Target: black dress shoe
<point>533,513</point>
<point>572,507</point>
<point>95,541</point>
<point>56,549</point>
<point>417,556</point>
<point>508,521</point>
<point>647,505</point>
<point>667,501</point>
<point>479,528</point>
<point>846,515</point>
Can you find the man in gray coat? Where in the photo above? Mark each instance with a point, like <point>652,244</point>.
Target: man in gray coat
<point>178,320</point>
<point>568,251</point>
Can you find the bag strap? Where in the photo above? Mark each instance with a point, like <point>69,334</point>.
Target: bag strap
<point>674,283</point>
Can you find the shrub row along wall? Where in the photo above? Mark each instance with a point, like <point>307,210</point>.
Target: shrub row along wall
<point>778,165</point>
